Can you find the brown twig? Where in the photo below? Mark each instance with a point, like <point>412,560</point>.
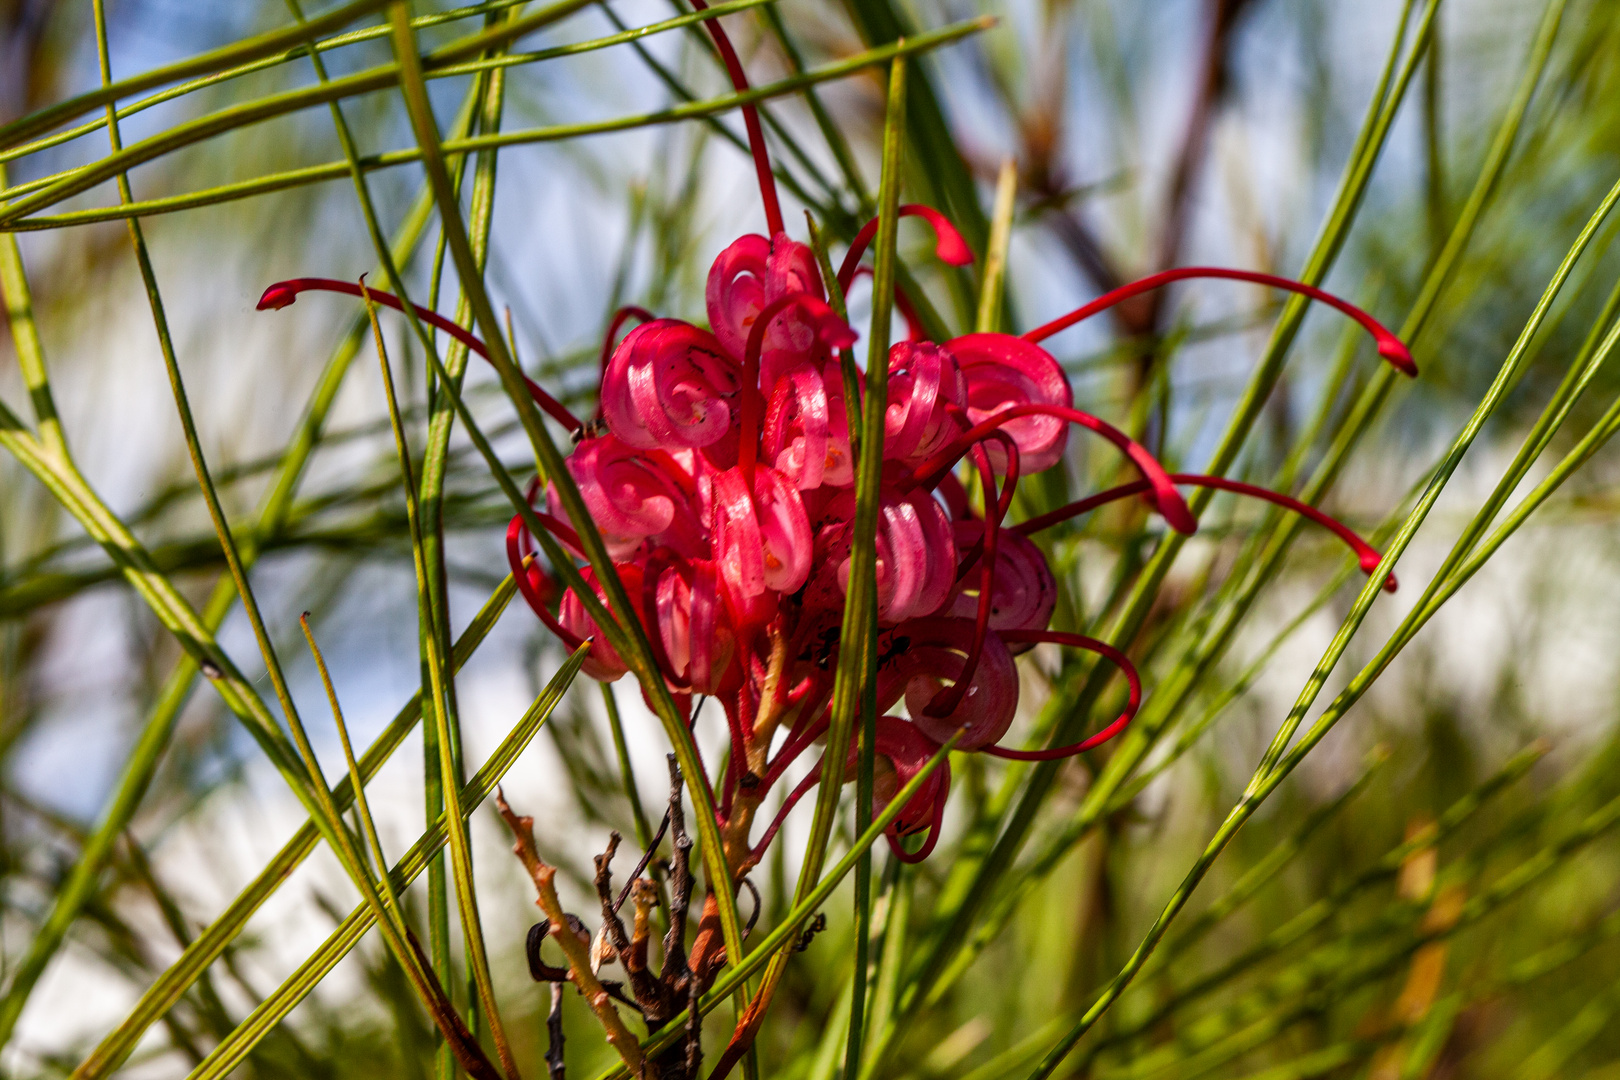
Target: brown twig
<point>646,860</point>
<point>554,1035</point>
<point>645,892</point>
<point>680,881</point>
<point>694,1031</point>
<point>651,995</point>
<point>678,977</point>
<point>579,962</point>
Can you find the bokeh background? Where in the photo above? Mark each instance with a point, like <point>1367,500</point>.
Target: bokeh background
<point>1144,136</point>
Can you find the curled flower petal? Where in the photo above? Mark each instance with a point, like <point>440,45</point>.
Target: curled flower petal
<point>532,581</point>
<point>797,429</point>
<point>900,751</point>
<point>924,381</point>
<point>602,663</point>
<point>1025,591</point>
<point>791,268</point>
<point>762,540</point>
<point>629,497</point>
<point>1003,370</point>
<point>825,326</point>
<point>925,653</point>
<point>935,529</point>
<point>669,385</point>
<point>712,639</point>
<point>784,531</point>
<point>735,533</point>
<point>692,625</point>
<point>839,467</point>
<point>913,532</point>
<point>735,292</point>
<point>750,274</point>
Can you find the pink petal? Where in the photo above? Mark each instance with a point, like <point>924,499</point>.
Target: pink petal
<point>736,290</point>
<point>784,531</point>
<point>1003,370</point>
<point>934,651</point>
<point>669,385</point>
<point>1025,591</point>
<point>602,662</point>
<point>627,493</point>
<point>924,380</point>
<point>736,536</point>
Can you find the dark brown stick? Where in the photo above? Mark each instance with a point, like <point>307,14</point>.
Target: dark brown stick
<point>554,1035</point>
<point>651,995</point>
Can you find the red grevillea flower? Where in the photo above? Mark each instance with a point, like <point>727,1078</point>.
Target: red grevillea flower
<point>720,475</point>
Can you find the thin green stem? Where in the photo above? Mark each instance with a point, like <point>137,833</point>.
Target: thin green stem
<point>639,652</point>
<point>993,284</point>
<point>12,219</point>
<point>191,86</point>
<point>279,104</point>
<point>25,337</point>
<point>219,59</point>
<point>1278,760</point>
<point>860,600</point>
<point>167,990</point>
<point>972,880</point>
<point>460,844</point>
<point>274,1008</point>
<point>332,822</point>
<point>357,782</point>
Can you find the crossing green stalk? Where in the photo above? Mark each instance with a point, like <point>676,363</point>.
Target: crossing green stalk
<point>167,990</point>
<point>549,459</point>
<point>274,1008</point>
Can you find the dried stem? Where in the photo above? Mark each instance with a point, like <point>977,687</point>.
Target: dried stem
<point>579,962</point>
<point>650,994</point>
<point>554,1035</point>
<point>678,976</point>
<point>680,880</point>
<point>694,1030</point>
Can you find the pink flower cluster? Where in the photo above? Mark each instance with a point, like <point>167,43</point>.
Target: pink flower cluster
<point>721,477</point>
<point>722,481</point>
<point>723,486</point>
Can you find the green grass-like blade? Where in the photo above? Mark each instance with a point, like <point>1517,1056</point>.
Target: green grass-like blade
<point>274,1008</point>
<point>639,652</point>
<point>1275,766</point>
<point>237,53</point>
<point>972,881</point>
<point>337,170</point>
<point>166,992</point>
<point>940,172</point>
<point>191,86</point>
<point>237,116</point>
